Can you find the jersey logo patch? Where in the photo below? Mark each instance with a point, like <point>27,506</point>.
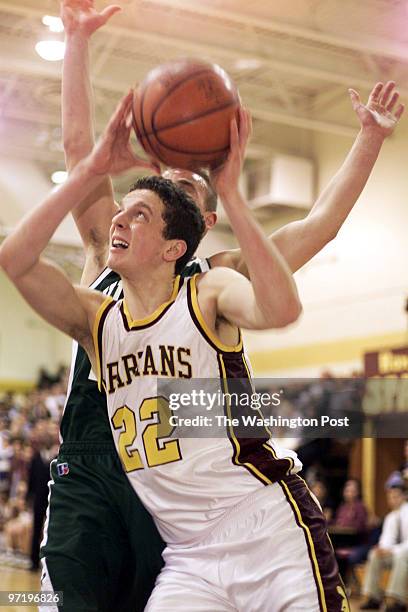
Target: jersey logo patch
<point>62,469</point>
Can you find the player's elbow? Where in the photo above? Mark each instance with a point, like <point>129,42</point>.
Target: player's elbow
<point>5,263</point>
<point>289,314</point>
<point>280,316</point>
<point>11,264</point>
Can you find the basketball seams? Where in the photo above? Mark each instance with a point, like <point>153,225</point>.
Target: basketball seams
<point>186,122</point>
<point>146,134</point>
<point>170,92</point>
<point>152,137</point>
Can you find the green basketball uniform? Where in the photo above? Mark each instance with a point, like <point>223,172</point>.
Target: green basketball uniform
<point>100,547</point>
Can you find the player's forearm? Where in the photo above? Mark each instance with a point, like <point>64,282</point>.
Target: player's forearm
<point>301,240</point>
<point>338,198</point>
<point>273,284</point>
<point>22,248</point>
<point>77,100</point>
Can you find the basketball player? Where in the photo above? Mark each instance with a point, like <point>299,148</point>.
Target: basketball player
<point>89,575</point>
<point>241,528</point>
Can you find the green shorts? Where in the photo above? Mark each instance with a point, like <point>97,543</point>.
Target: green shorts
<point>100,546</point>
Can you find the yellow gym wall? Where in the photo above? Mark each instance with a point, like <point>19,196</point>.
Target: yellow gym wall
<point>26,341</point>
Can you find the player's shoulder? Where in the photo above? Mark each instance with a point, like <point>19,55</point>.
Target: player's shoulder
<point>216,279</point>
<point>92,300</point>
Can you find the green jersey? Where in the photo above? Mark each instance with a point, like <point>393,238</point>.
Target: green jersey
<point>85,415</point>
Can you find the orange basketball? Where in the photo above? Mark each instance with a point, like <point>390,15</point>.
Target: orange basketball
<point>182,113</point>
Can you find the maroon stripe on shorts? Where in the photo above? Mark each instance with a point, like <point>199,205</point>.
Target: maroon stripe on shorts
<point>310,519</point>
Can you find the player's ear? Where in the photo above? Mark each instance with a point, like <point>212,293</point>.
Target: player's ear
<point>174,250</point>
<point>210,219</point>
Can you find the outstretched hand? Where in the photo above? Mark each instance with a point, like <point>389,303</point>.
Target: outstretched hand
<point>113,153</point>
<point>381,113</point>
<point>82,17</point>
<point>226,176</point>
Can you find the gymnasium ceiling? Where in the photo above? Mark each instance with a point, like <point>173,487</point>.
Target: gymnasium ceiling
<point>292,59</point>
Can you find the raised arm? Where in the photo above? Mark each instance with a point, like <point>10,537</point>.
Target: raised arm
<point>300,240</point>
<point>270,299</point>
<point>93,216</point>
<point>43,285</point>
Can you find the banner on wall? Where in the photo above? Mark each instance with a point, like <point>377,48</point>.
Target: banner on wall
<point>386,371</point>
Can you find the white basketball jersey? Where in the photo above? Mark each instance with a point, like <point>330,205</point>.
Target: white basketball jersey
<point>186,483</point>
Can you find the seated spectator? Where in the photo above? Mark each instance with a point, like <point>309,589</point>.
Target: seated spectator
<point>352,512</point>
<point>319,488</point>
<point>404,465</point>
<point>6,455</point>
<point>18,527</point>
<point>391,553</point>
<point>349,528</point>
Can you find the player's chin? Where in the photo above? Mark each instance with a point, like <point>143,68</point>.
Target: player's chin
<point>115,260</point>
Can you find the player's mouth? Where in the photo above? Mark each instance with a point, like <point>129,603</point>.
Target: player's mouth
<point>118,243</point>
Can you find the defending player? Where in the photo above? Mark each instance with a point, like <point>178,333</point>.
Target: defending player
<point>85,428</point>
<point>254,487</point>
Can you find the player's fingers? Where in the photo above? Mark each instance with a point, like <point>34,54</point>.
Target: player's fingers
<point>234,135</point>
<point>355,98</point>
<point>129,119</point>
<point>68,13</point>
<point>109,11</point>
<point>375,92</point>
<point>387,92</point>
<point>121,111</point>
<point>250,127</point>
<point>393,101</point>
<point>399,111</point>
<point>140,162</point>
<point>244,130</point>
<point>242,124</point>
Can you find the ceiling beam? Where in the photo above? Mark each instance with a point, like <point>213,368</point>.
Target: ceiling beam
<point>268,115</point>
<point>377,46</point>
<point>194,47</point>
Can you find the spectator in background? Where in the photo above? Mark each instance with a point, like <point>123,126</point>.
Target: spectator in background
<point>404,466</point>
<point>18,465</point>
<point>391,552</point>
<point>28,427</point>
<point>319,488</point>
<point>350,523</point>
<point>6,455</point>
<point>39,475</point>
<point>17,529</point>
<point>3,426</point>
<point>352,513</point>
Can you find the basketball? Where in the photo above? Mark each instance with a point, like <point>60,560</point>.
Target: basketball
<point>182,113</point>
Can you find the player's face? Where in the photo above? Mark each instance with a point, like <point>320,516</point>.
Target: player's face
<point>136,234</point>
<point>193,184</point>
<point>395,497</point>
<point>351,491</point>
<point>196,187</point>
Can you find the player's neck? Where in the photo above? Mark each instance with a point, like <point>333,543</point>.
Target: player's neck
<point>145,294</point>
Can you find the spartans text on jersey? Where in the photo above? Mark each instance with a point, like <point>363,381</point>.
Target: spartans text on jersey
<point>167,360</point>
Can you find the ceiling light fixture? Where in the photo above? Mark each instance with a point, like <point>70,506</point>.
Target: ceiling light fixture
<point>59,177</point>
<point>53,23</point>
<point>51,50</point>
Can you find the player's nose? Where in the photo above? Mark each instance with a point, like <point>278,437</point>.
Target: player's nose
<point>120,220</point>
